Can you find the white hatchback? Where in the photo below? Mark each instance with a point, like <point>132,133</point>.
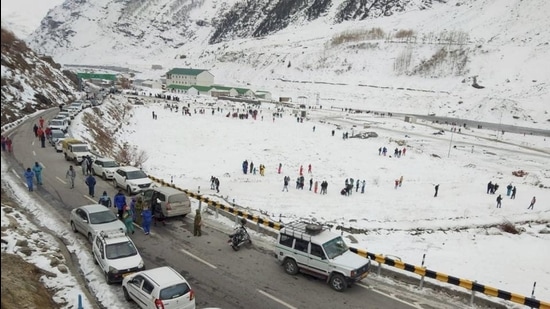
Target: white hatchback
<point>161,287</point>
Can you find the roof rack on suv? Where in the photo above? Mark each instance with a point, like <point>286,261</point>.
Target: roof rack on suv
<point>304,229</point>
<point>112,233</point>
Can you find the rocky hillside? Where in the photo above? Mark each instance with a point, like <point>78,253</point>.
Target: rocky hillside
<point>30,82</point>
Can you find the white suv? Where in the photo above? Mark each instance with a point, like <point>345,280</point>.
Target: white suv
<point>161,287</point>
<point>313,249</point>
<point>105,167</point>
<point>116,254</point>
<point>132,179</point>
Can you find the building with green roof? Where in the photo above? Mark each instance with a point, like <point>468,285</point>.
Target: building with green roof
<point>189,77</point>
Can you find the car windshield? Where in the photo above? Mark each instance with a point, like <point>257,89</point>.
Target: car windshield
<point>335,247</point>
<point>56,123</point>
<point>102,217</point>
<point>80,148</point>
<point>120,250</point>
<point>58,134</point>
<point>174,291</point>
<point>110,164</point>
<point>136,175</point>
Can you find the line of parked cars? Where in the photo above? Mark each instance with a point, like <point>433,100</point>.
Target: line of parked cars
<point>112,248</point>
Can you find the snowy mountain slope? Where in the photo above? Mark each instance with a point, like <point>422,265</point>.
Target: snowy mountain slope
<point>435,49</point>
<point>29,82</point>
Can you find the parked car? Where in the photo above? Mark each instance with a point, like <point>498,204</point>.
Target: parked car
<point>59,145</point>
<point>116,254</point>
<point>173,202</point>
<point>66,115</point>
<point>55,136</point>
<point>105,167</point>
<point>161,287</point>
<point>56,124</point>
<point>315,250</point>
<point>132,179</point>
<point>91,219</point>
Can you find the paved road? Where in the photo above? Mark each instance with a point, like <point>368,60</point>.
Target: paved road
<point>249,278</point>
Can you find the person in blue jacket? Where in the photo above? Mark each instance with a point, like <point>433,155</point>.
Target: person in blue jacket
<point>29,175</point>
<point>90,182</point>
<point>147,216</point>
<point>120,201</point>
<point>37,169</point>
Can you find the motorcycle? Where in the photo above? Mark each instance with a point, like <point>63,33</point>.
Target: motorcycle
<point>239,237</point>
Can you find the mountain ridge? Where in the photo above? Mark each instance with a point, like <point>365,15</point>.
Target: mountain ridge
<point>439,46</point>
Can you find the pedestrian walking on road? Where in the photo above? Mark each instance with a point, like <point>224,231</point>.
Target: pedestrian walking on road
<point>147,216</point>
<point>129,219</point>
<point>105,200</point>
<point>120,201</point>
<point>37,169</point>
<point>90,181</point>
<point>71,174</point>
<point>533,201</point>
<point>29,177</point>
<point>197,223</point>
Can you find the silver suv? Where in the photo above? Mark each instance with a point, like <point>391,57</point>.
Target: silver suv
<point>315,250</point>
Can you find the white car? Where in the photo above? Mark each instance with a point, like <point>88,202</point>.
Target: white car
<point>105,167</point>
<point>161,287</point>
<point>58,124</point>
<point>132,179</point>
<point>55,136</point>
<point>91,219</point>
<point>116,254</point>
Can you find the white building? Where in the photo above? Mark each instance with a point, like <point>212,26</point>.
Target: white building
<point>189,77</point>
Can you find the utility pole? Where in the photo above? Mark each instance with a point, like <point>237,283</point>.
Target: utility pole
<point>450,144</point>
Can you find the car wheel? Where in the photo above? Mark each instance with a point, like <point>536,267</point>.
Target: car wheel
<point>338,282</point>
<point>73,227</point>
<point>128,190</point>
<point>115,183</point>
<point>104,176</point>
<point>95,258</point>
<point>290,267</point>
<point>90,238</point>
<point>66,157</point>
<point>107,279</point>
<point>126,294</point>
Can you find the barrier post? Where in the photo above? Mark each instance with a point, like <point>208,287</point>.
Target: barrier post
<point>80,302</point>
<point>379,268</point>
<point>217,211</point>
<point>473,294</point>
<point>200,203</point>
<point>422,279</point>
<point>172,179</point>
<point>533,291</point>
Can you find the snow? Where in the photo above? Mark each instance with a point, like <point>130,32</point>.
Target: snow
<point>457,230</point>
<point>24,16</point>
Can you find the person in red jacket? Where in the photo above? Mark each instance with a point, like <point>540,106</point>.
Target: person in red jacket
<point>8,144</point>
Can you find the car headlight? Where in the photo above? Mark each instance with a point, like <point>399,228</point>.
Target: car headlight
<point>141,264</point>
<point>113,270</point>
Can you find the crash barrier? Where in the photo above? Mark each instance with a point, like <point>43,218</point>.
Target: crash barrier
<point>229,209</point>
<point>420,270</point>
<point>467,284</point>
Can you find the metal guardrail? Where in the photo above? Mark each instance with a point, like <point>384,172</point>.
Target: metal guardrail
<point>420,270</point>
<point>232,210</point>
<point>467,284</point>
